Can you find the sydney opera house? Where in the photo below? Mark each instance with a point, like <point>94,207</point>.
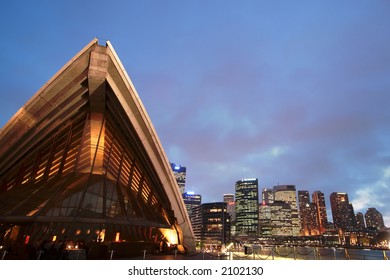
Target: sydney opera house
<point>82,166</point>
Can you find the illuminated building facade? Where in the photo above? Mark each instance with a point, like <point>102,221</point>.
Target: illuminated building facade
<point>191,200</point>
<point>215,224</point>
<point>267,196</point>
<point>303,203</point>
<point>231,205</point>
<point>81,162</point>
<point>231,209</point>
<point>318,199</point>
<point>374,218</point>
<point>265,228</point>
<point>247,203</point>
<point>196,222</point>
<point>288,194</point>
<point>267,199</point>
<point>180,173</point>
<point>281,218</point>
<point>307,214</point>
<point>342,211</point>
<point>360,225</point>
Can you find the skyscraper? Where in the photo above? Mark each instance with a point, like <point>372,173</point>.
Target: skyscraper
<point>212,224</point>
<point>342,211</point>
<point>267,196</point>
<point>307,214</point>
<point>196,222</point>
<point>231,205</point>
<point>191,200</point>
<point>374,218</point>
<point>281,218</point>
<point>318,199</point>
<point>231,210</point>
<point>288,194</point>
<point>360,221</point>
<point>180,173</point>
<point>303,202</point>
<point>265,228</point>
<point>247,201</point>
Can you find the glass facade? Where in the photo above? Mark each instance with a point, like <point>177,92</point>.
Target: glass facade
<point>191,200</point>
<point>247,203</point>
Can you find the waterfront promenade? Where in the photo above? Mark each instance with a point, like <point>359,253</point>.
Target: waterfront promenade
<point>250,253</point>
<point>278,253</point>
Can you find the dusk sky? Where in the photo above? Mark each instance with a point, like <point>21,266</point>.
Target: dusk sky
<point>289,92</point>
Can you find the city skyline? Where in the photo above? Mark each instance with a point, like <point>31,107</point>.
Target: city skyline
<point>288,212</point>
<point>287,92</point>
<point>316,195</point>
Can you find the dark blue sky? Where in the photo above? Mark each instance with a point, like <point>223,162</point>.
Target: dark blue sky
<point>289,92</point>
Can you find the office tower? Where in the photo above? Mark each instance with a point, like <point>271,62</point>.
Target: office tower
<point>352,217</point>
<point>265,228</point>
<point>180,175</point>
<point>281,218</point>
<point>342,211</point>
<point>374,218</point>
<point>312,219</point>
<point>288,194</point>
<point>303,202</point>
<point>318,199</point>
<point>231,205</point>
<point>360,221</point>
<point>267,196</point>
<point>191,200</point>
<point>212,224</point>
<point>231,209</point>
<point>247,213</point>
<point>307,214</point>
<point>196,222</point>
<point>81,161</point>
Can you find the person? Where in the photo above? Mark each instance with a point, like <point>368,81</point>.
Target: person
<point>161,245</point>
<point>164,246</point>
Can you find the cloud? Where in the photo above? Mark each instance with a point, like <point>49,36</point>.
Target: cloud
<point>365,198</point>
<point>374,195</point>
